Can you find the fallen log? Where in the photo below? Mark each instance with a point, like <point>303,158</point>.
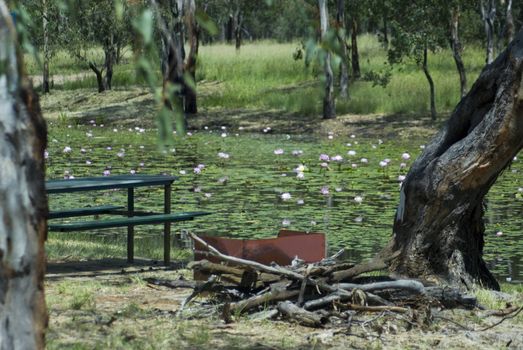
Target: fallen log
<point>265,298</point>
<point>299,315</point>
<point>410,285</point>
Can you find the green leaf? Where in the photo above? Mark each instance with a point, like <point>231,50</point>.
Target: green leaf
<point>118,9</point>
<point>144,26</point>
<point>206,22</point>
<point>188,79</point>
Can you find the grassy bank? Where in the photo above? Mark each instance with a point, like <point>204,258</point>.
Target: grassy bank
<point>264,76</point>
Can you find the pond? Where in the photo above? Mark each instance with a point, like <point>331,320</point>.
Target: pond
<point>255,184</point>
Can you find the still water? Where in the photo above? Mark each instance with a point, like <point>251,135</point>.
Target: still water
<point>344,186</point>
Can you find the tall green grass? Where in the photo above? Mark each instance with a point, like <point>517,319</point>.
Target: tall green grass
<point>264,75</point>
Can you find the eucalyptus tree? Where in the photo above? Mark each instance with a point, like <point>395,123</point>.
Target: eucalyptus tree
<point>44,28</point>
<point>418,34</point>
<point>439,230</point>
<point>344,55</point>
<point>23,203</point>
<point>488,15</point>
<point>355,9</point>
<point>94,24</point>
<point>509,19</point>
<point>329,107</point>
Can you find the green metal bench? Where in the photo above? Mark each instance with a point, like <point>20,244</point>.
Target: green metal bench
<point>103,209</point>
<point>131,217</point>
<point>124,222</point>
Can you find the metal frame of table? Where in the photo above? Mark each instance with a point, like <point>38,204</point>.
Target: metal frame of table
<point>123,181</point>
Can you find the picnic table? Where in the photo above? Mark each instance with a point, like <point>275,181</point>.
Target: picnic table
<point>132,217</point>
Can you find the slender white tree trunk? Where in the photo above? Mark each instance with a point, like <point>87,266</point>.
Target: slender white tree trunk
<point>488,14</point>
<point>329,109</point>
<point>23,204</point>
<point>45,78</point>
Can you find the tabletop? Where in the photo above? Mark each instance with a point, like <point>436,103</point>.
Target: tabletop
<point>106,182</point>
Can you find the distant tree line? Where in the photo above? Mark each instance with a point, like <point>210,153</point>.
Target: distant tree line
<point>409,30</point>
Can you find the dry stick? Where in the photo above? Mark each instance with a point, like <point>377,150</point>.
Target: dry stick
<point>304,285</point>
<point>356,307</point>
<point>303,317</point>
<point>410,285</point>
<point>481,329</point>
<point>276,295</point>
<point>503,319</point>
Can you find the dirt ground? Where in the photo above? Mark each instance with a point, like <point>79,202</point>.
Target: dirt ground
<point>102,304</point>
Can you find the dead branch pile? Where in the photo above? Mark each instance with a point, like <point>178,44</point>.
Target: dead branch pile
<point>310,294</point>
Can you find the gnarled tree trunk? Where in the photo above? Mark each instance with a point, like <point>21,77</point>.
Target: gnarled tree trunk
<point>23,204</point>
<point>439,229</point>
<point>329,108</point>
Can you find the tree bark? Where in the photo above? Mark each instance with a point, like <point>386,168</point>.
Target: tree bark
<point>439,229</point>
<point>457,49</point>
<point>45,73</point>
<point>173,55</point>
<point>342,38</point>
<point>23,227</point>
<point>329,108</point>
<point>509,28</point>
<point>356,73</point>
<point>193,33</point>
<point>425,67</point>
<point>488,14</point>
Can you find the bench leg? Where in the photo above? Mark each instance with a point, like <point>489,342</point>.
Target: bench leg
<point>130,228</point>
<point>167,227</point>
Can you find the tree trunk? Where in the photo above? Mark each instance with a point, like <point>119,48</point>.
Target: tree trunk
<point>488,13</point>
<point>425,67</point>
<point>173,55</point>
<point>329,108</point>
<point>356,73</point>
<point>342,38</point>
<point>99,76</point>
<point>238,28</point>
<point>229,29</point>
<point>110,58</point>
<point>45,75</point>
<point>23,227</point>
<point>385,29</point>
<point>510,22</point>
<point>193,33</point>
<point>457,49</point>
<point>439,229</point>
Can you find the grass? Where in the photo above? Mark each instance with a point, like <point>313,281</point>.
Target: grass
<point>264,76</point>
